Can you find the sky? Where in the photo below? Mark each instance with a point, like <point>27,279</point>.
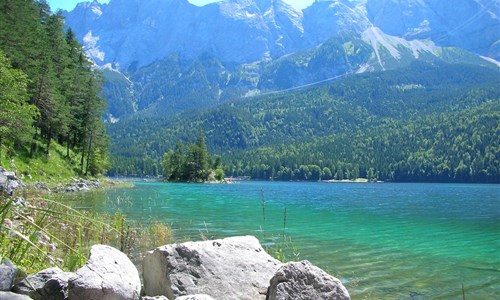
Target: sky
<point>70,4</point>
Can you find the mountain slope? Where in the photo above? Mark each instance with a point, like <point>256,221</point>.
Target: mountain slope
<point>173,84</point>
<point>469,24</point>
<point>132,34</point>
<point>163,57</point>
<point>354,124</point>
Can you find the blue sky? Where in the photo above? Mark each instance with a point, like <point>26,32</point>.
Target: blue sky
<point>70,4</point>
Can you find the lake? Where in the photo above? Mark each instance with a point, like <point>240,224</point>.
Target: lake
<point>383,240</point>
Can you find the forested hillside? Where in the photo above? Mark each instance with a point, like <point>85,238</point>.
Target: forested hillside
<point>426,122</point>
<point>49,95</point>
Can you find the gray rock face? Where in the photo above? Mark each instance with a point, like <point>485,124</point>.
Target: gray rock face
<point>8,274</point>
<point>470,24</point>
<point>303,281</point>
<point>327,19</point>
<point>108,275</point>
<point>135,33</point>
<point>49,284</point>
<point>13,296</point>
<point>231,268</point>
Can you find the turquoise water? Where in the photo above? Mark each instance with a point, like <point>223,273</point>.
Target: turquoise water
<point>385,241</point>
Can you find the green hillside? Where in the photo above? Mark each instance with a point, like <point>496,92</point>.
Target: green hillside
<point>428,121</point>
<point>50,110</point>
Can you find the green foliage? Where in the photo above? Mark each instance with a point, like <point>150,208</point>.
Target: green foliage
<point>17,115</point>
<point>47,233</point>
<point>49,88</point>
<point>427,122</point>
<point>284,250</point>
<point>192,165</point>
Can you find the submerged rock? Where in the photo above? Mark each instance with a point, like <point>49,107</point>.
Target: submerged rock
<point>303,281</point>
<point>231,268</point>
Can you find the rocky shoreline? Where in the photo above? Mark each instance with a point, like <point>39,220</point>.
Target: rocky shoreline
<point>223,269</point>
<point>10,182</point>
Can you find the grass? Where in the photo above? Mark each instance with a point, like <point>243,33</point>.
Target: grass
<point>52,169</point>
<point>45,233</point>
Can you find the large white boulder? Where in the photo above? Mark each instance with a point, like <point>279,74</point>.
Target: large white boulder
<point>108,275</point>
<point>231,268</point>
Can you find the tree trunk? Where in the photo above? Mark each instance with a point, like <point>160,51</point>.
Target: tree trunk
<point>82,160</point>
<point>88,155</point>
<point>49,140</point>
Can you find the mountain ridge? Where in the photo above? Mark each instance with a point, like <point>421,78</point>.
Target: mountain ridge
<point>254,43</point>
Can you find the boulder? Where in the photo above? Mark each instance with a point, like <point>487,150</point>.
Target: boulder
<point>50,284</point>
<point>13,296</point>
<point>41,186</point>
<point>195,297</point>
<point>8,274</point>
<point>108,274</point>
<point>303,281</point>
<point>231,268</point>
<point>8,182</point>
<point>189,297</point>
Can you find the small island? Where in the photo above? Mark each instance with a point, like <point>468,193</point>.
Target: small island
<point>194,164</point>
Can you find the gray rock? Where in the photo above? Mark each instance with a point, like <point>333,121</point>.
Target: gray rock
<point>303,281</point>
<point>49,284</point>
<point>8,274</point>
<point>13,296</point>
<point>154,298</point>
<point>41,186</point>
<point>108,274</point>
<point>231,268</point>
<point>195,297</point>
<point>19,201</point>
<point>10,175</point>
<point>8,182</point>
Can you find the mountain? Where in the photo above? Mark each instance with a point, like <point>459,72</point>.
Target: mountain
<point>424,122</point>
<point>173,84</point>
<point>400,90</point>
<point>132,34</point>
<point>167,56</point>
<point>469,24</point>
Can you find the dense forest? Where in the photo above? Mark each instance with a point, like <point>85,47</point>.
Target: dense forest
<point>434,122</point>
<point>49,90</point>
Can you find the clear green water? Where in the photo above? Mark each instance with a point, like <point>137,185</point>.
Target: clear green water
<point>385,241</point>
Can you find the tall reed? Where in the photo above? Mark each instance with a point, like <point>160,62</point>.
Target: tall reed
<point>41,233</point>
